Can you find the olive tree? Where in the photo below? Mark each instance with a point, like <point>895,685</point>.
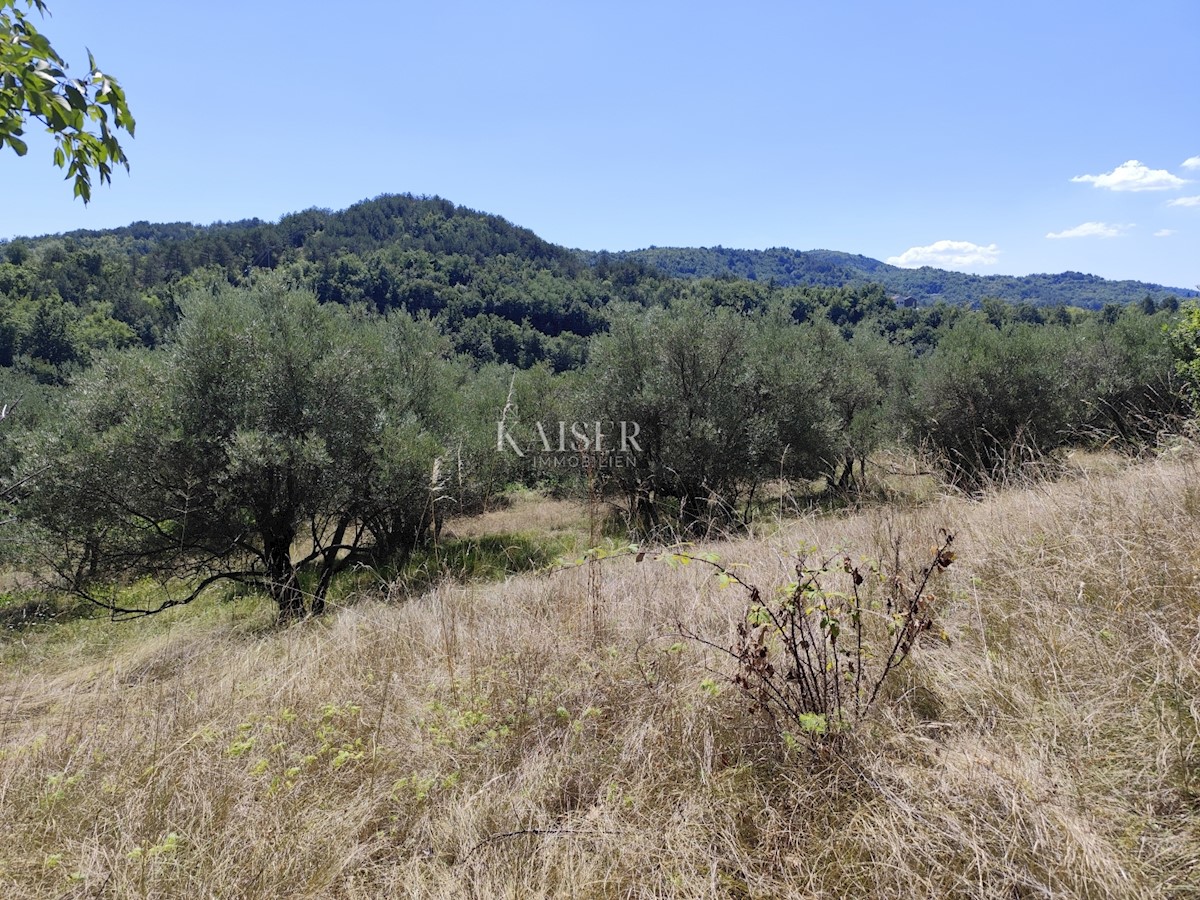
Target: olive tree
<point>856,379</point>
<point>274,436</point>
<point>1133,390</point>
<point>673,373</point>
<point>722,401</point>
<point>988,399</point>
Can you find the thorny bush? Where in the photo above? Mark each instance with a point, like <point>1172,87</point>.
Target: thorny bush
<point>815,659</point>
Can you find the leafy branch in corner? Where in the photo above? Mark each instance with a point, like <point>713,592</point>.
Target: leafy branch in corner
<point>83,114</point>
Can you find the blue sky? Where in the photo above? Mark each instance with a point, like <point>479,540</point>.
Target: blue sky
<point>958,134</point>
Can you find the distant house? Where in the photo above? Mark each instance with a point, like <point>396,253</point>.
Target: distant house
<point>905,302</point>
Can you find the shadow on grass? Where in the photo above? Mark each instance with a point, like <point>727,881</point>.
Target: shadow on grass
<point>19,612</point>
<point>490,557</point>
<point>483,558</point>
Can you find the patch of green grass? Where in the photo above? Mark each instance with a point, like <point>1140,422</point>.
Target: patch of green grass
<point>490,557</point>
<point>25,610</point>
<point>37,628</point>
<point>34,625</point>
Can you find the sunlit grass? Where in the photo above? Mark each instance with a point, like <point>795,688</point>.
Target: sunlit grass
<point>546,735</point>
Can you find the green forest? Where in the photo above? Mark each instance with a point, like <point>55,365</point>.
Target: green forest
<point>828,268</point>
<point>274,403</point>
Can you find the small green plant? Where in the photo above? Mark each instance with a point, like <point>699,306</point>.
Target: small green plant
<point>170,844</point>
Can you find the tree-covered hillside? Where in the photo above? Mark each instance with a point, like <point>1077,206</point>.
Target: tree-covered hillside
<point>830,268</point>
<point>498,291</point>
<point>503,293</point>
<point>271,403</point>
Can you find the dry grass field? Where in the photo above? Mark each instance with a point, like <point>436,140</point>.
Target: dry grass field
<point>553,735</point>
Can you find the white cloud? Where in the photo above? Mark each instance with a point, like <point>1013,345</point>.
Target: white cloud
<point>1185,201</point>
<point>947,255</point>
<point>1164,232</point>
<point>1089,229</point>
<point>1191,163</point>
<point>1133,176</point>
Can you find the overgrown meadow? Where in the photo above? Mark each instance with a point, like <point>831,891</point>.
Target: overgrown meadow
<point>318,583</point>
<point>558,734</point>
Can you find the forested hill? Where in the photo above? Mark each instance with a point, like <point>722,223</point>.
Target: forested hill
<point>397,221</point>
<point>501,291</point>
<point>498,292</point>
<point>163,253</point>
<point>831,268</point>
<point>359,366</point>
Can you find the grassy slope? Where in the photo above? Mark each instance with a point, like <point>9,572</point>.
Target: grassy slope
<point>396,749</point>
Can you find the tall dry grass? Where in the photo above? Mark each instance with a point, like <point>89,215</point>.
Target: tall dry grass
<point>553,737</point>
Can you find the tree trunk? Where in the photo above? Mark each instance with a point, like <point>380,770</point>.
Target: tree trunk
<point>329,567</point>
<point>846,479</point>
<point>282,581</point>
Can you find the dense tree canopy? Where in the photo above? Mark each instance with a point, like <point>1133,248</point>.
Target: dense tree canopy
<point>273,435</point>
<point>827,268</point>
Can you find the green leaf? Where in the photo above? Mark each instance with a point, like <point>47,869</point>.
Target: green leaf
<point>813,723</point>
<point>75,97</point>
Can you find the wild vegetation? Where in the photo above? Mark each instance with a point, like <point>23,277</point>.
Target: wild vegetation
<point>452,563</point>
<point>276,404</point>
<point>550,735</point>
<point>499,292</point>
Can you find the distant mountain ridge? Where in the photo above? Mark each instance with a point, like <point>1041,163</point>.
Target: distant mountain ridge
<point>832,268</point>
<point>402,222</point>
